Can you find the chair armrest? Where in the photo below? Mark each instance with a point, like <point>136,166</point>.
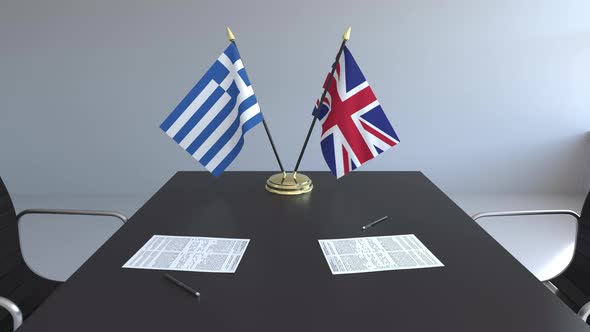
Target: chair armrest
<point>524,213</point>
<point>584,311</point>
<point>73,212</point>
<point>13,310</point>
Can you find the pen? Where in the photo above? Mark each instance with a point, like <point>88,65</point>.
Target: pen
<point>371,224</point>
<point>182,285</point>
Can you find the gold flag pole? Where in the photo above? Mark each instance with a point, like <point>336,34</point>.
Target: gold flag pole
<point>232,39</point>
<point>293,183</point>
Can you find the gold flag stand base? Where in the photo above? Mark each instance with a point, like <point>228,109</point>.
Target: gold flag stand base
<point>289,184</point>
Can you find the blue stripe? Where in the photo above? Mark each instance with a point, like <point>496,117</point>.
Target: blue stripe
<point>217,72</point>
<point>251,123</point>
<point>244,76</point>
<point>190,124</point>
<point>230,157</point>
<point>221,141</point>
<point>229,133</point>
<point>233,91</point>
<point>232,53</point>
<point>246,104</point>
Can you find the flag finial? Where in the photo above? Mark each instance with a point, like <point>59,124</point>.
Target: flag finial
<point>230,35</point>
<point>346,35</point>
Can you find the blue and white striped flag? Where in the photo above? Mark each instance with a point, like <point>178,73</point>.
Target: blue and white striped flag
<point>210,122</point>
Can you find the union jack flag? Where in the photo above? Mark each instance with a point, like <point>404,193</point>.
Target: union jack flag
<point>354,126</point>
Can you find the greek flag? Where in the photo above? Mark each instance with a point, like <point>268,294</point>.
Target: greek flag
<point>210,122</point>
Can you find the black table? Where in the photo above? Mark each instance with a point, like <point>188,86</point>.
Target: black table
<point>283,282</point>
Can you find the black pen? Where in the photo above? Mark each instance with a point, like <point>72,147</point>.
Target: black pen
<point>182,285</point>
<point>371,224</point>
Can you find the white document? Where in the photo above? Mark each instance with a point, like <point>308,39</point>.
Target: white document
<point>188,253</point>
<point>377,253</point>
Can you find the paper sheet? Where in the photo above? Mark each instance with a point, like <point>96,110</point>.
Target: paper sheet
<point>378,253</point>
<point>187,253</point>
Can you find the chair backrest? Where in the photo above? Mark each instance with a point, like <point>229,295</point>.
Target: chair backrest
<point>17,282</point>
<point>10,255</point>
<point>574,283</point>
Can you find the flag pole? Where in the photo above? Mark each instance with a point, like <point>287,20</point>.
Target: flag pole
<point>232,39</point>
<point>345,38</point>
<point>292,183</point>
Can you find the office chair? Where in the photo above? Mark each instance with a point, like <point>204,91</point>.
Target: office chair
<point>21,289</point>
<point>570,280</point>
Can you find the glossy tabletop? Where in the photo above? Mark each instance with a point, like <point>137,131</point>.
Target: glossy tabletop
<point>283,282</point>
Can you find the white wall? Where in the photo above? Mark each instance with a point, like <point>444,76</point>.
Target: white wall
<point>486,96</point>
